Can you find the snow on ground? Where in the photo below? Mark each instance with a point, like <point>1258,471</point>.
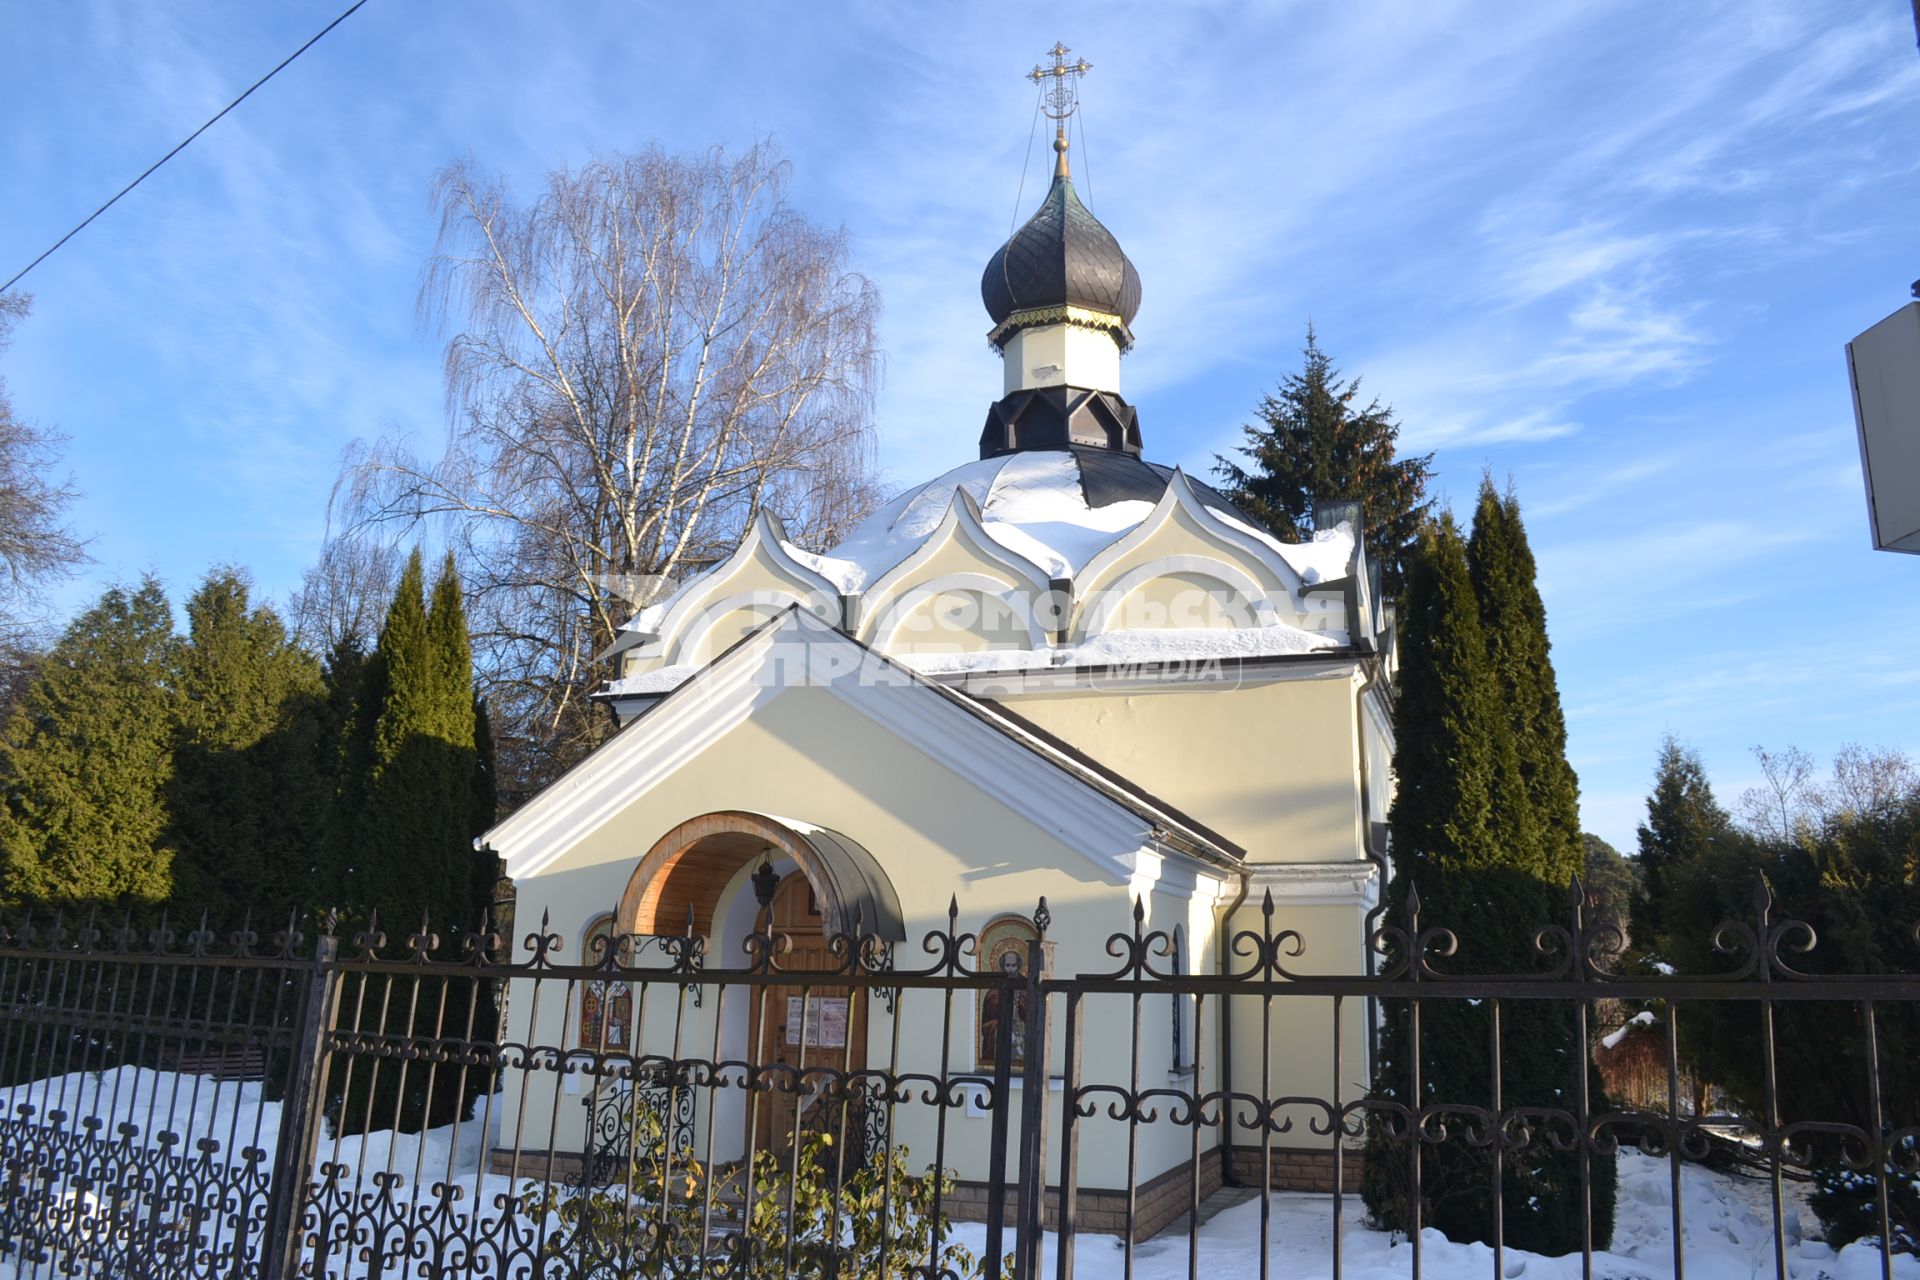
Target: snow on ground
<point>1728,1232</point>
<point>1728,1219</point>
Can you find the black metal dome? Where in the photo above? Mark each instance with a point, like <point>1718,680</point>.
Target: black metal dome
<point>1061,257</point>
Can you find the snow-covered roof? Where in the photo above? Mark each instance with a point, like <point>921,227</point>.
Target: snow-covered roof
<point>1057,508</point>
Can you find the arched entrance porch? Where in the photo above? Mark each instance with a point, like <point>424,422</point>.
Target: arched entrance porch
<point>699,877</point>
<point>687,871</point>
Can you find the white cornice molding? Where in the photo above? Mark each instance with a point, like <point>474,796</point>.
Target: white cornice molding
<point>1305,884</point>
<point>1170,673</point>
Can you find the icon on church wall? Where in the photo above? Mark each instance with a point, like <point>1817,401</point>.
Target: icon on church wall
<point>1003,948</point>
<point>606,1008</point>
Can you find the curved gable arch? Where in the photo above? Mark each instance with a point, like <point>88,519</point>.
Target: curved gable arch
<point>761,576</point>
<point>884,631</point>
<point>1180,536</point>
<point>1243,593</point>
<point>959,555</point>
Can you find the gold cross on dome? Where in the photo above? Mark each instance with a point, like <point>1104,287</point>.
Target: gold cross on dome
<point>1060,99</point>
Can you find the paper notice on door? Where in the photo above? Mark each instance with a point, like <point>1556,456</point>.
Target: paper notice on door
<point>826,1021</point>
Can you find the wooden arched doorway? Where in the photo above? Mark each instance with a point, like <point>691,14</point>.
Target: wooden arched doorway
<point>820,1029</point>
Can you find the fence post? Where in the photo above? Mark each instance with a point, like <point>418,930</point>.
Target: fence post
<point>1033,1116</point>
<point>300,1111</point>
<point>1008,993</point>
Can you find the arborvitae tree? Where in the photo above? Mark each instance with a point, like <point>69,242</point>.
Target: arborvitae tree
<point>486,805</point>
<point>249,792</point>
<point>460,719</point>
<point>351,702</point>
<point>1314,442</point>
<point>413,855</point>
<point>85,758</point>
<point>1463,836</point>
<point>1514,621</point>
<point>412,858</point>
<point>1455,801</point>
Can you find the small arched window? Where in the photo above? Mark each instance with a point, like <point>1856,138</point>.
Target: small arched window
<point>606,1008</point>
<point>1005,941</point>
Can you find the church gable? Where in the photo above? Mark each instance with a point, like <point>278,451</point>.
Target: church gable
<point>802,720</point>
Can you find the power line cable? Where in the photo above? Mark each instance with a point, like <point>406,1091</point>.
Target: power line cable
<point>21,274</point>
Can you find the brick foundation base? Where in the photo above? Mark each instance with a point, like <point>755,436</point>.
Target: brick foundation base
<point>1158,1201</point>
<point>1297,1170</point>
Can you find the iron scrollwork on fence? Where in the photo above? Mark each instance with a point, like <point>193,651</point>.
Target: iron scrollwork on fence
<point>404,1106</point>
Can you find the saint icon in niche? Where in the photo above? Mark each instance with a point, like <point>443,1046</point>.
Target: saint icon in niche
<point>1003,948</point>
<point>606,1008</point>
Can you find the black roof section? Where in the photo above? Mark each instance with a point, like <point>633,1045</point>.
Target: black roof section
<point>1063,256</point>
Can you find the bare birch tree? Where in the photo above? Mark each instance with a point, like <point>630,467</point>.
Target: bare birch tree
<point>649,353</point>
<point>36,544</point>
<point>344,594</point>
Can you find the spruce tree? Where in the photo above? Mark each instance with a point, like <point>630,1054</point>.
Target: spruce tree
<point>1314,442</point>
<point>1612,882</point>
<point>1463,836</point>
<point>1514,621</point>
<point>1684,825</point>
<point>247,800</point>
<point>85,757</point>
<point>1697,870</point>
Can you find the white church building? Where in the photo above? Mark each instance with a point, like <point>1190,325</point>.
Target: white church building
<point>1056,670</point>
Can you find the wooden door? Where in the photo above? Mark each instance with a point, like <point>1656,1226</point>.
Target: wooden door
<point>835,1035</point>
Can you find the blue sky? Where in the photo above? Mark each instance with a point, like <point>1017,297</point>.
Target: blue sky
<point>1611,250</point>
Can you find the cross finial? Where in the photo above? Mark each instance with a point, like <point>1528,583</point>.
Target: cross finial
<point>1059,96</point>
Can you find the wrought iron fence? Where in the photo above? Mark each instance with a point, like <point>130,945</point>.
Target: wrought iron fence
<point>194,1105</point>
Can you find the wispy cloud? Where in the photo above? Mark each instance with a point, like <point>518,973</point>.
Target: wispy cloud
<point>1590,244</point>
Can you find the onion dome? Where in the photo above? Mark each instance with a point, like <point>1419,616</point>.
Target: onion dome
<point>1063,260</point>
